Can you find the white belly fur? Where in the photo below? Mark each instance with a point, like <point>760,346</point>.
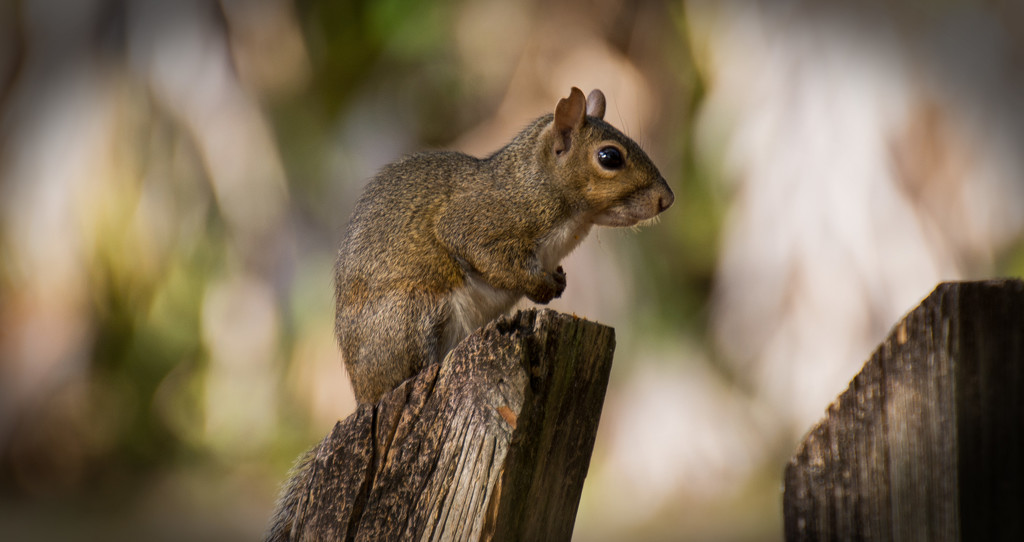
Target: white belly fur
<point>477,303</point>
<point>560,242</point>
<point>473,305</point>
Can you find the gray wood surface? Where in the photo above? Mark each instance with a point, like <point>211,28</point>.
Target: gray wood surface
<point>927,443</point>
<point>492,444</point>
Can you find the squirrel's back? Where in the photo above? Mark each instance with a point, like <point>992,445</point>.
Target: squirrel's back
<point>390,242</point>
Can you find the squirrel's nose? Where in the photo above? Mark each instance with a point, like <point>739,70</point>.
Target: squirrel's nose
<point>665,199</point>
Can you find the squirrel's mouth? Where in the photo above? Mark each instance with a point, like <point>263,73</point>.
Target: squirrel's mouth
<point>619,217</point>
<point>626,216</point>
<point>639,209</point>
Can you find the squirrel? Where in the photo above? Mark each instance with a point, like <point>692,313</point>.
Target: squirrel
<point>440,242</point>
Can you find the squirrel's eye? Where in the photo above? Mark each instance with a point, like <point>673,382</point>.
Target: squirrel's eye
<point>610,158</point>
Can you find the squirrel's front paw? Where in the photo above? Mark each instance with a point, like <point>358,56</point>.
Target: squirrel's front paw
<point>559,276</point>
<point>552,287</point>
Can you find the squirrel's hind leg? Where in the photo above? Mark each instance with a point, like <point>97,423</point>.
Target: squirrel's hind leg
<point>391,339</point>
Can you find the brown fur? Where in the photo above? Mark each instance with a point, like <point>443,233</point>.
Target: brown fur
<point>441,242</point>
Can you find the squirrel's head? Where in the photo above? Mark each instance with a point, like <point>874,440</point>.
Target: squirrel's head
<point>613,178</point>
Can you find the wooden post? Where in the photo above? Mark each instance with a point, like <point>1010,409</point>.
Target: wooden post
<point>928,441</point>
<point>492,444</point>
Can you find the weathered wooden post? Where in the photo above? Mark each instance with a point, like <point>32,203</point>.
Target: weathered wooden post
<point>492,444</point>
<point>928,441</point>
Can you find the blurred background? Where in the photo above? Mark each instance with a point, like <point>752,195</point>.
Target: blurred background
<point>174,178</point>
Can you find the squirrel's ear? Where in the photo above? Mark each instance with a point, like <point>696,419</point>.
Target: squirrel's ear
<point>595,103</point>
<point>568,118</point>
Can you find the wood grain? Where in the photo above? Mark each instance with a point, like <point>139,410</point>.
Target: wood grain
<point>494,443</point>
<point>927,442</point>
